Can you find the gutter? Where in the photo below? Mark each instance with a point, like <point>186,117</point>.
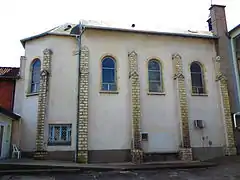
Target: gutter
<point>79,40</point>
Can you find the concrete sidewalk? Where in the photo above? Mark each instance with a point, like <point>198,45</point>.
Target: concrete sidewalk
<point>36,166</point>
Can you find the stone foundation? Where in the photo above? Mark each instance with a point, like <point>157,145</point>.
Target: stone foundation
<point>137,156</point>
<point>185,154</point>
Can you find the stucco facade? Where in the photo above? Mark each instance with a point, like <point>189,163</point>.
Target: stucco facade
<point>109,128</point>
<point>69,111</point>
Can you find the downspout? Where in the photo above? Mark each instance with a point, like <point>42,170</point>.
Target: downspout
<point>79,41</point>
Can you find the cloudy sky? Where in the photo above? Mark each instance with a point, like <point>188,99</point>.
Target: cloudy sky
<point>23,18</point>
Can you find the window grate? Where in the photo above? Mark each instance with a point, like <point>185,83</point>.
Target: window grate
<point>59,134</point>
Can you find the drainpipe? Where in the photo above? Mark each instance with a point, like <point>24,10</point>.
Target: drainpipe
<point>79,41</point>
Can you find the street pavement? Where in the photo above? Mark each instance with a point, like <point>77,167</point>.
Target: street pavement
<point>229,169</point>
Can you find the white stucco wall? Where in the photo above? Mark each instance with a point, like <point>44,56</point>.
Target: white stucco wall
<point>62,95</point>
<point>110,116</point>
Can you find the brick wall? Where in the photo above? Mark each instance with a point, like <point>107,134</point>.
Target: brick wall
<point>6,93</point>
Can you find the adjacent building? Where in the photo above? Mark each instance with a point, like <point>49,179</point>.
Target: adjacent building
<point>9,121</point>
<point>94,92</point>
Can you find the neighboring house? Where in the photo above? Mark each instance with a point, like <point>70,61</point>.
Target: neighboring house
<point>235,47</point>
<point>102,93</point>
<point>9,121</point>
<point>8,77</point>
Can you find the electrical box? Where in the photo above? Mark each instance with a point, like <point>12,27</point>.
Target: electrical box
<point>144,136</point>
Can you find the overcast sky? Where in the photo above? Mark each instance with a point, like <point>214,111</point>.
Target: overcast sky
<point>23,18</point>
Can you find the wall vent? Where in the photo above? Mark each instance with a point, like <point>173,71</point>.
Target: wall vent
<point>199,124</point>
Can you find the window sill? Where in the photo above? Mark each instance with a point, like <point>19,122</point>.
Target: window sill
<point>32,94</point>
<point>195,94</point>
<point>109,92</point>
<point>59,144</point>
<point>157,93</point>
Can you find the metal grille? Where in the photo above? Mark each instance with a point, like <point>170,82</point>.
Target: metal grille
<point>60,133</point>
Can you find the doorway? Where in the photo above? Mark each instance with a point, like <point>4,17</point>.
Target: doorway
<point>1,139</point>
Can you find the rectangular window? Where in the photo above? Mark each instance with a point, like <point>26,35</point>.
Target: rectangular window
<point>59,134</point>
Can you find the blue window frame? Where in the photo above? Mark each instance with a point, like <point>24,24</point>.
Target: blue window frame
<point>35,76</point>
<point>60,134</point>
<point>109,74</point>
<point>198,86</point>
<point>155,76</point>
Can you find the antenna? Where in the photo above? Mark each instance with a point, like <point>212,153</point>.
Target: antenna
<point>211,2</point>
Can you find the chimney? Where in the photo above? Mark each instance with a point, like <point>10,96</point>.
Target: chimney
<point>218,25</point>
<point>22,66</point>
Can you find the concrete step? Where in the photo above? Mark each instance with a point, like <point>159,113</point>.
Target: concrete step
<point>29,168</point>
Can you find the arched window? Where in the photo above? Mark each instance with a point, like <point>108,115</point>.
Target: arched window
<point>155,83</point>
<point>35,76</point>
<point>109,74</point>
<point>197,77</point>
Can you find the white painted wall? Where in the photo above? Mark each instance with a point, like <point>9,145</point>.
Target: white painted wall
<point>110,116</point>
<point>62,95</point>
<point>63,87</point>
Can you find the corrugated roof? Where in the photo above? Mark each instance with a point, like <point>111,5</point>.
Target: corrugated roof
<point>69,29</point>
<point>9,72</point>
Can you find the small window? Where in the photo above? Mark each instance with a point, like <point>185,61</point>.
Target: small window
<point>197,78</point>
<point>109,78</point>
<point>60,134</point>
<point>35,76</point>
<point>155,76</point>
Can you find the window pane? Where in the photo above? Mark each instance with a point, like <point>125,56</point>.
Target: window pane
<point>197,79</point>
<point>64,133</point>
<point>112,87</point>
<point>37,64</point>
<point>108,76</point>
<point>195,67</point>
<point>60,134</point>
<point>197,90</point>
<point>104,87</point>
<point>108,62</point>
<point>155,87</point>
<point>57,133</point>
<point>154,75</point>
<point>36,68</point>
<point>153,65</point>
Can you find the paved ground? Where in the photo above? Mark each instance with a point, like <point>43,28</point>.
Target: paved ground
<point>229,169</point>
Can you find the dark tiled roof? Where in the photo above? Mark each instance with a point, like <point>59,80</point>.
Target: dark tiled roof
<point>9,72</point>
<point>9,113</point>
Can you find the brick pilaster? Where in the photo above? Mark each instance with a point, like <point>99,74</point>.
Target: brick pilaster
<point>42,103</point>
<point>136,151</point>
<point>227,119</point>
<point>82,156</point>
<point>185,150</point>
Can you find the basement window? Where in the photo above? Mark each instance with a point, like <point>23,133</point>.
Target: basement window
<point>60,134</point>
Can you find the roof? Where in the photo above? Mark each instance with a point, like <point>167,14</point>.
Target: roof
<point>70,29</point>
<point>9,113</point>
<point>234,29</point>
<point>9,72</point>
